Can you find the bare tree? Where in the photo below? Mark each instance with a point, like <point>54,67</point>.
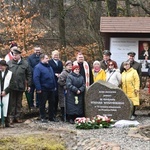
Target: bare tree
<point>144,4</point>
<point>111,7</point>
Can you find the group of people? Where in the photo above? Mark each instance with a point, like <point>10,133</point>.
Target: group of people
<point>62,85</point>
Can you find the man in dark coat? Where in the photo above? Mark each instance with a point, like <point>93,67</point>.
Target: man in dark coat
<point>44,80</point>
<point>107,59</point>
<point>57,67</point>
<point>22,80</point>
<point>33,60</point>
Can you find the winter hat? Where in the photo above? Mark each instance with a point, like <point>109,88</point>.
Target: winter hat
<point>96,62</point>
<point>75,67</point>
<point>68,62</point>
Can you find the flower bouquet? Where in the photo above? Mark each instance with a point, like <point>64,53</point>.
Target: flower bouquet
<point>94,123</point>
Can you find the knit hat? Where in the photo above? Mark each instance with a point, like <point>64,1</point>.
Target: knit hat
<point>68,62</point>
<point>75,67</point>
<point>96,62</point>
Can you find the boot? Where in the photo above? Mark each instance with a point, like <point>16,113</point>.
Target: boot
<point>133,113</point>
<point>7,123</point>
<point>71,119</point>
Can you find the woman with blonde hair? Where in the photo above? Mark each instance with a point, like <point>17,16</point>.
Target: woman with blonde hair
<point>98,72</point>
<point>57,67</point>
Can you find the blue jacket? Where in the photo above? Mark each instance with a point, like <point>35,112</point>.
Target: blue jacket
<point>43,77</point>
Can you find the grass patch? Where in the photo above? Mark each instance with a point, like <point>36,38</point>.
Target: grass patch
<point>32,142</point>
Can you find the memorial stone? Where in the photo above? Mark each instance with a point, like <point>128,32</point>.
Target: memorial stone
<point>103,98</point>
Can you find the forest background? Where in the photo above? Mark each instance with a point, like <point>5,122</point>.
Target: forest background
<point>69,26</point>
<point>66,25</point>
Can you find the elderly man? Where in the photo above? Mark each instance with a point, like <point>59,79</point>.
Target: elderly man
<point>44,80</point>
<point>33,60</point>
<point>107,59</point>
<point>21,78</point>
<point>145,53</point>
<point>134,64</point>
<point>137,66</point>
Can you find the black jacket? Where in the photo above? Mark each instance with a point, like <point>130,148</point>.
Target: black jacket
<point>74,83</point>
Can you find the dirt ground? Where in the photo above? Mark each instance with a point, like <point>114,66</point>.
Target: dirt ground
<point>23,131</point>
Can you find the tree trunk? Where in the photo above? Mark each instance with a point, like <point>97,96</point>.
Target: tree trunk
<point>111,7</point>
<point>61,23</point>
<point>128,13</point>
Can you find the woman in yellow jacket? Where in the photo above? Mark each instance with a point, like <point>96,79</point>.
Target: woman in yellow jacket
<point>131,84</point>
<point>98,72</point>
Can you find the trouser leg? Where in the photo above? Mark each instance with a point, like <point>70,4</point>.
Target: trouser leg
<point>13,101</point>
<point>32,96</point>
<point>62,114</point>
<point>42,103</point>
<point>19,105</point>
<point>56,102</point>
<point>16,104</point>
<point>134,108</point>
<point>37,100</point>
<point>51,105</point>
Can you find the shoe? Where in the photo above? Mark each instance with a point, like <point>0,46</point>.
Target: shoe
<point>71,121</point>
<point>132,117</point>
<point>7,125</point>
<point>18,120</point>
<point>11,121</point>
<point>44,121</point>
<point>54,119</point>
